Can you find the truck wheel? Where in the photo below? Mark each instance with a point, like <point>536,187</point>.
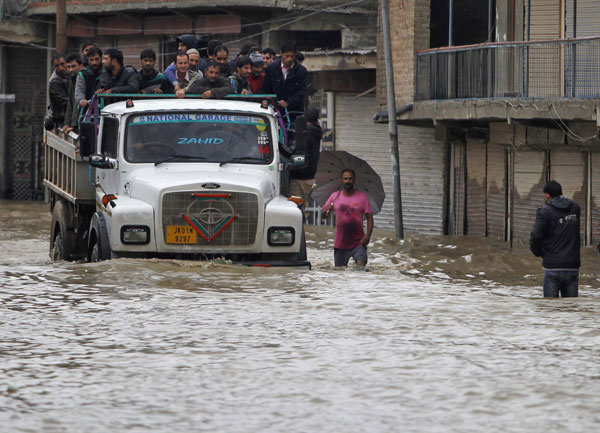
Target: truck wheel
<point>63,240</point>
<point>98,246</point>
<point>302,253</point>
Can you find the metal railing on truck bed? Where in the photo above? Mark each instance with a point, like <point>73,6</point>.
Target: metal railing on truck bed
<point>66,172</point>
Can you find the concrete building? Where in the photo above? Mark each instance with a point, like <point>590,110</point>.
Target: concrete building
<point>504,99</point>
<point>27,33</point>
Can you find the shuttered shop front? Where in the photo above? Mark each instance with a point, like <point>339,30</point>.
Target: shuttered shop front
<point>476,186</point>
<point>595,194</point>
<point>496,191</point>
<point>421,163</point>
<point>569,169</point>
<point>528,183</point>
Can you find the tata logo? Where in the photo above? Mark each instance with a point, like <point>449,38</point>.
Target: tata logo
<point>210,216</point>
<point>211,185</point>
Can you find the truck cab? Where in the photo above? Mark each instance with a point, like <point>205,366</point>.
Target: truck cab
<point>185,178</point>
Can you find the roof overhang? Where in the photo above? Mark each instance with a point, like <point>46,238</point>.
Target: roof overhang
<point>340,60</point>
<point>503,110</point>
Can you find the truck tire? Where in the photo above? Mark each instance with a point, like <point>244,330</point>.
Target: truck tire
<point>98,244</point>
<point>63,239</point>
<point>302,252</point>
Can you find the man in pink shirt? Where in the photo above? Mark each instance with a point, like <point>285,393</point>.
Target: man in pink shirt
<point>349,206</point>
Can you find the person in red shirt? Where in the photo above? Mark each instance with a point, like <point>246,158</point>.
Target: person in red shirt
<point>350,205</point>
<point>257,77</point>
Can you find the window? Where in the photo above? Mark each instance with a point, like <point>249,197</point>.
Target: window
<point>110,137</point>
<point>195,136</point>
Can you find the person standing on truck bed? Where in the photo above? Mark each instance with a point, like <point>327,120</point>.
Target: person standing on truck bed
<point>152,81</point>
<point>184,43</point>
<point>268,55</point>
<point>287,79</point>
<point>211,86</point>
<point>239,80</point>
<point>117,78</point>
<point>221,56</point>
<point>58,90</point>
<point>85,47</point>
<point>74,66</point>
<point>245,51</point>
<point>210,50</point>
<point>184,75</point>
<point>197,64</point>
<point>257,77</point>
<point>87,80</point>
<point>302,180</point>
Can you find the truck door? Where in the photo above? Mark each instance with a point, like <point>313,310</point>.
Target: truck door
<point>108,177</point>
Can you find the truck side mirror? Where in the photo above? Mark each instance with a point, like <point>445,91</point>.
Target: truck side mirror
<point>87,138</point>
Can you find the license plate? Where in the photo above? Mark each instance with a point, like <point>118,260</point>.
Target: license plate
<point>181,235</point>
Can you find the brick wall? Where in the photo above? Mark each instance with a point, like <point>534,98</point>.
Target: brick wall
<point>409,31</point>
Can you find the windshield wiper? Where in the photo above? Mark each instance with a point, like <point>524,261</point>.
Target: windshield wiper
<point>174,157</point>
<point>243,158</point>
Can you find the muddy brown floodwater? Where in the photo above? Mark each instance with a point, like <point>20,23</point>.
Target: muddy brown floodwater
<point>438,335</point>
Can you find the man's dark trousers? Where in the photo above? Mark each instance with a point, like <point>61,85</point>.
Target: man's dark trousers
<point>565,282</point>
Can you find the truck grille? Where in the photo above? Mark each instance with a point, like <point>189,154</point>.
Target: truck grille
<point>218,218</point>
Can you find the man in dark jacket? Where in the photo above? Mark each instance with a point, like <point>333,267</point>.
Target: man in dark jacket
<point>58,90</point>
<point>211,86</point>
<point>117,78</point>
<point>87,80</point>
<point>239,80</point>
<point>152,81</point>
<point>74,66</point>
<point>287,79</point>
<point>556,238</point>
<point>303,179</point>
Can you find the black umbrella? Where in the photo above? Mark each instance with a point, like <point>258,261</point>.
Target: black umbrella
<point>329,178</point>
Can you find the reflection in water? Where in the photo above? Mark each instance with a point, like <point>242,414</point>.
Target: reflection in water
<point>439,335</point>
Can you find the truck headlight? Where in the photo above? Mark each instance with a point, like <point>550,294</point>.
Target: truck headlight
<point>281,236</point>
<point>135,234</point>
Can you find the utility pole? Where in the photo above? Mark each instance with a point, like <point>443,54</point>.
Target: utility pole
<point>61,26</point>
<point>393,127</point>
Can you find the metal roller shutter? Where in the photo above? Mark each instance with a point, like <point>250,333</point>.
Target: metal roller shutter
<point>421,163</point>
<point>529,179</point>
<point>496,191</point>
<point>595,205</point>
<point>476,187</point>
<point>545,63</point>
<point>458,189</point>
<point>588,16</point>
<point>569,169</point>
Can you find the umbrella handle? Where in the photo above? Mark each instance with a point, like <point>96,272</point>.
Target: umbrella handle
<point>330,207</point>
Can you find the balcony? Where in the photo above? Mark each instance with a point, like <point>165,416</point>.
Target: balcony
<point>555,69</point>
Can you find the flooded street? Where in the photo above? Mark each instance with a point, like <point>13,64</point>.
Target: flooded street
<point>439,335</point>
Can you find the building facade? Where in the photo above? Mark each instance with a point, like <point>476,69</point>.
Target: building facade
<point>510,92</point>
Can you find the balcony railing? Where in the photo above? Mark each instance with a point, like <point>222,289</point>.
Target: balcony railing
<point>566,68</point>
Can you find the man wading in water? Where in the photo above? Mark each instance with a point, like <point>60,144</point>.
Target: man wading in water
<point>555,237</point>
<point>349,206</point>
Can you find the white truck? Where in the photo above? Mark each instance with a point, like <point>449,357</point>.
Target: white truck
<point>175,178</point>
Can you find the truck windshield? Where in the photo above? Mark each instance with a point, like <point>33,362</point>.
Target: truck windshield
<point>198,137</point>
